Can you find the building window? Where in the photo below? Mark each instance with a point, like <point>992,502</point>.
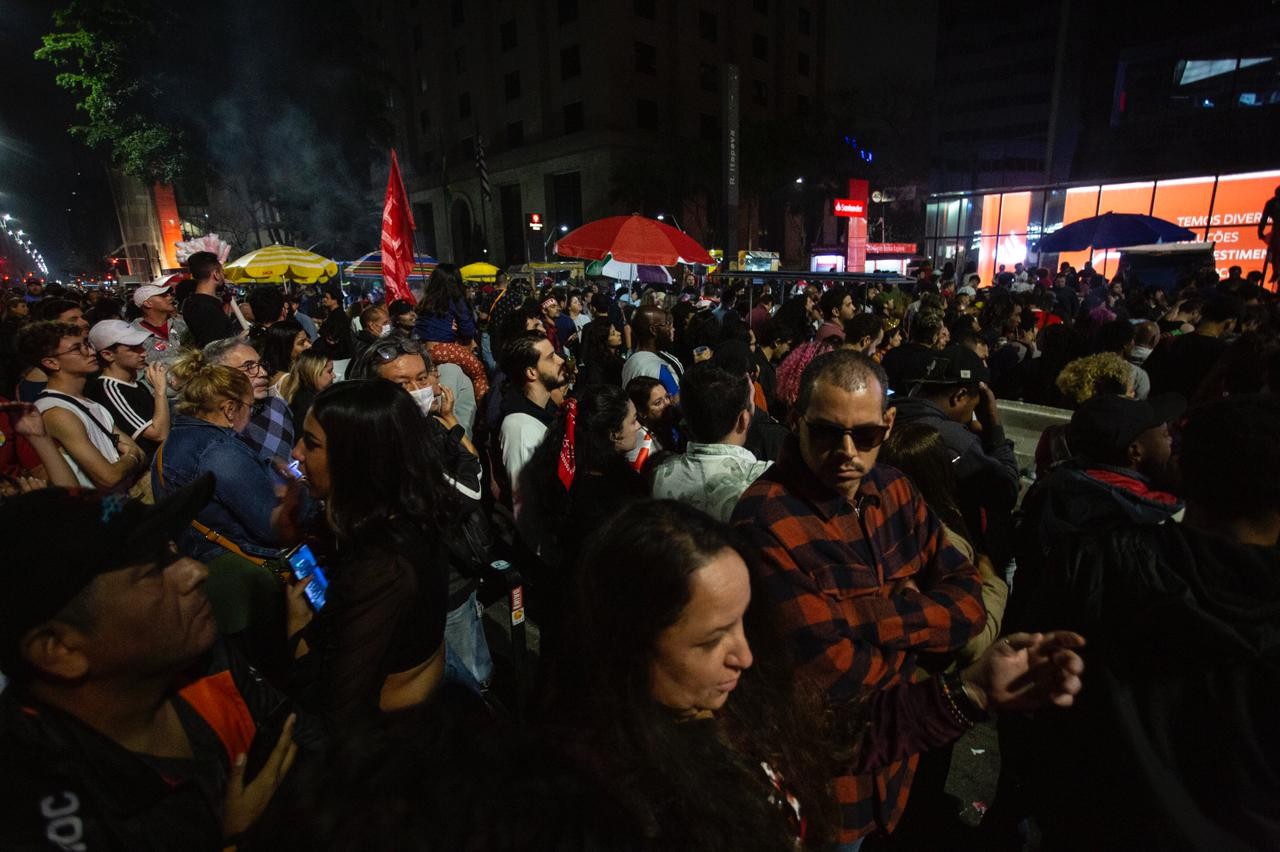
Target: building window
<point>460,61</point>
<point>511,85</point>
<point>802,20</point>
<point>645,9</point>
<point>417,37</point>
<point>762,6</point>
<point>464,105</point>
<point>570,62</point>
<point>708,127</point>
<point>707,25</point>
<point>424,120</point>
<point>708,77</point>
<point>573,117</point>
<point>802,64</point>
<point>515,134</point>
<point>760,92</point>
<point>457,13</point>
<point>647,114</point>
<point>507,36</point>
<point>802,104</point>
<point>646,58</point>
<point>760,46</point>
<point>568,11</point>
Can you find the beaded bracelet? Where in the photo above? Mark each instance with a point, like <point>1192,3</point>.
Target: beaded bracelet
<point>962,708</point>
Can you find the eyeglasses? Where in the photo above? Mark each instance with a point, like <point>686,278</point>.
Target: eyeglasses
<point>82,346</point>
<point>251,367</point>
<point>390,350</point>
<point>865,438</point>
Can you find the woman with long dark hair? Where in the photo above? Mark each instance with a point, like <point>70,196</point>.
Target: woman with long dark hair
<point>601,362</point>
<point>280,344</point>
<point>443,313</point>
<point>675,693</point>
<point>917,450</point>
<point>577,477</point>
<point>378,643</point>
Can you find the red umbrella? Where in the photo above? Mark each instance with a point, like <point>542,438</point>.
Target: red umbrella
<point>633,239</point>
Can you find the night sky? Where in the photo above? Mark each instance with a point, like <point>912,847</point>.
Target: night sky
<point>39,161</point>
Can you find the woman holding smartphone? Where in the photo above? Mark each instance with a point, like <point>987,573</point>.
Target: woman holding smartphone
<point>377,645</point>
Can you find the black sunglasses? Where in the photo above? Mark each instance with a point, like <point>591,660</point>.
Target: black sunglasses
<point>865,438</point>
<point>390,350</point>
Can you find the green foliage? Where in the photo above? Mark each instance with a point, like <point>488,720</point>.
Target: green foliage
<point>95,46</point>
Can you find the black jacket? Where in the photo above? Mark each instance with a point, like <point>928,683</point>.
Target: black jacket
<point>61,780</point>
<point>1174,742</point>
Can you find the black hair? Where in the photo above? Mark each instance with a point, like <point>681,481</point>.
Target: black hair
<point>917,450</point>
<point>845,369</point>
<point>791,321</point>
<point>267,301</point>
<point>712,398</point>
<point>1230,460</point>
<point>391,492</point>
<point>444,287</point>
<point>105,309</point>
<point>602,409</point>
<point>1115,336</point>
<point>1222,309</point>
<point>603,363</point>
<point>862,325</point>
<point>202,264</point>
<point>39,340</point>
<point>633,583</point>
<point>925,326</point>
<point>831,301</point>
<point>275,344</point>
<point>639,390</point>
<point>520,353</point>
<point>51,309</point>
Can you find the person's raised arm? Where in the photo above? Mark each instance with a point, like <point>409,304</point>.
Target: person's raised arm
<point>157,377</point>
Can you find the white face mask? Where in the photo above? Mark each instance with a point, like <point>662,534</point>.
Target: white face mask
<point>425,397</point>
<point>1140,354</point>
<point>386,329</point>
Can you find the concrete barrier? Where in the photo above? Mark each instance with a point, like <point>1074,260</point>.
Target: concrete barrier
<point>1023,423</point>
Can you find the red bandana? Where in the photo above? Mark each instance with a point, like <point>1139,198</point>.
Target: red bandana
<point>568,464</point>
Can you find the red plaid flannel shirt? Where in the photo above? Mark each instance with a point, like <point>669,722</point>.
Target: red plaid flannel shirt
<point>830,566</point>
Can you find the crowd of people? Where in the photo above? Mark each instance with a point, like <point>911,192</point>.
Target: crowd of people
<point>779,550</point>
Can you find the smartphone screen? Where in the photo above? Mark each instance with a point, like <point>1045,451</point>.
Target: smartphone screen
<point>303,563</point>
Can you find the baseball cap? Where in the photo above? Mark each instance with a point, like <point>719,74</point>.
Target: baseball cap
<point>108,333</point>
<point>955,365</point>
<point>59,540</point>
<point>400,307</point>
<point>161,285</point>
<point>1102,428</point>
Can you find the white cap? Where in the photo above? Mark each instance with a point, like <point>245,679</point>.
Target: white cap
<point>161,285</point>
<point>108,333</point>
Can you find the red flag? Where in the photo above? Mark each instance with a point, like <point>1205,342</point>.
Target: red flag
<point>397,237</point>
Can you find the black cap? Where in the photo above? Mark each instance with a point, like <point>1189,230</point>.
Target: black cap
<point>59,539</point>
<point>955,365</point>
<point>1103,427</point>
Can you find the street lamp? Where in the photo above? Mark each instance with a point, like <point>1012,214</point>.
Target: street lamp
<point>662,217</point>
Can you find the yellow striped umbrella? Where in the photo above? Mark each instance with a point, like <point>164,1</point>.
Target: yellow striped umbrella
<point>281,263</point>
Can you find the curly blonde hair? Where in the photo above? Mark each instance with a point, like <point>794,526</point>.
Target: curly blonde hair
<point>1084,378</point>
<point>204,384</point>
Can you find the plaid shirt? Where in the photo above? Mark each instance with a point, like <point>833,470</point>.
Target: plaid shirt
<point>270,430</point>
<point>829,568</point>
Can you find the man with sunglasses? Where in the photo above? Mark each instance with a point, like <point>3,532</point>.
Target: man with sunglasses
<point>143,410</point>
<point>855,565</point>
<point>160,320</point>
<point>101,455</point>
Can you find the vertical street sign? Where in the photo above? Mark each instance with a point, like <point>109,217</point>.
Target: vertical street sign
<point>732,133</point>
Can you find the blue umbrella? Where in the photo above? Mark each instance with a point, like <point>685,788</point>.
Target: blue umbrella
<point>1113,230</point>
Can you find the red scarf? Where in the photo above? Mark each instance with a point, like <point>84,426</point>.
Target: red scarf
<point>568,463</point>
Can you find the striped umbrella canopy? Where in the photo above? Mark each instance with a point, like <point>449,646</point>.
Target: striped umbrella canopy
<point>281,263</point>
<point>370,266</point>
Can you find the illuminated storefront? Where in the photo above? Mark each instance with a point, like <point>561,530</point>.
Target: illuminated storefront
<point>1004,228</point>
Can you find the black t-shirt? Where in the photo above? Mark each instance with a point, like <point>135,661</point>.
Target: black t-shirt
<point>131,404</point>
<point>205,318</point>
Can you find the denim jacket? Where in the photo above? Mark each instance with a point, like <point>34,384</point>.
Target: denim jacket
<point>243,498</point>
<point>439,328</point>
